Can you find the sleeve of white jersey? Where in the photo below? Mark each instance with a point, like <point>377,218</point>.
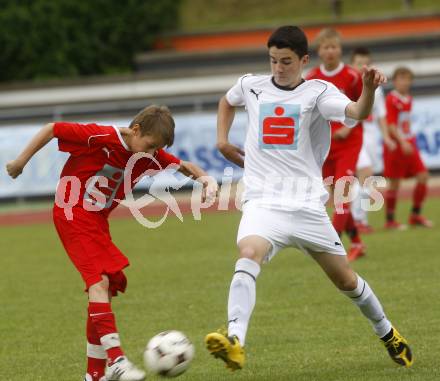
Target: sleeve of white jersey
<point>235,95</point>
<point>332,104</point>
<point>379,109</point>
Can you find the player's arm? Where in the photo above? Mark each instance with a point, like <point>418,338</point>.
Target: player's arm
<point>398,136</point>
<point>225,117</point>
<point>388,141</point>
<point>371,79</point>
<point>210,186</point>
<point>44,136</point>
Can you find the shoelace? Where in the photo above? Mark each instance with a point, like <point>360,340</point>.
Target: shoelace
<point>395,343</point>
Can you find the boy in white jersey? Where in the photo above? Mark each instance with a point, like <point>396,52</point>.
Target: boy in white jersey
<point>368,156</point>
<point>287,142</point>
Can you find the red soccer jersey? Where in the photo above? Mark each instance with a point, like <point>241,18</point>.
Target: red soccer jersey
<point>399,113</point>
<point>348,81</point>
<point>93,176</point>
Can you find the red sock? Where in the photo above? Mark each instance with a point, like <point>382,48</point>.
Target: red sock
<point>390,203</point>
<point>351,228</point>
<point>419,195</point>
<point>340,219</point>
<point>103,320</point>
<point>96,356</point>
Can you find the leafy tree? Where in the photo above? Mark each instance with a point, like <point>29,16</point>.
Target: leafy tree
<point>68,38</point>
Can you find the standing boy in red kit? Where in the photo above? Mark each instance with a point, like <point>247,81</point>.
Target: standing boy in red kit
<point>94,176</point>
<point>404,161</point>
<point>346,142</point>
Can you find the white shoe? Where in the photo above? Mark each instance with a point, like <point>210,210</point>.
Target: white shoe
<point>88,377</point>
<point>123,370</point>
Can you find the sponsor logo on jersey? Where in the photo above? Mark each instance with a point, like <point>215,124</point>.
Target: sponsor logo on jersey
<point>279,126</point>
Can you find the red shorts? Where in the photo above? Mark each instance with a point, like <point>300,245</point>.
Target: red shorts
<point>341,162</point>
<point>86,239</point>
<point>397,165</point>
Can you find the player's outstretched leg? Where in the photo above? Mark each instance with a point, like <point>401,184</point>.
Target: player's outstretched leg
<point>103,321</point>
<point>228,345</point>
<point>364,297</point>
<point>360,293</point>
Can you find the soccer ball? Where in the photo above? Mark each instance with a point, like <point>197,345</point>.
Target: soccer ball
<point>169,353</point>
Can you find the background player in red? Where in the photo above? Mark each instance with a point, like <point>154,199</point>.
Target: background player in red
<point>369,154</point>
<point>405,160</point>
<point>346,142</point>
<point>95,177</point>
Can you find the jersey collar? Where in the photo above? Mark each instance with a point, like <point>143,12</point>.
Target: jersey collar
<point>331,73</point>
<point>121,139</point>
<point>403,98</point>
<point>285,88</point>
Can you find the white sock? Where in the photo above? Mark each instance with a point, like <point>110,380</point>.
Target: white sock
<point>363,296</point>
<point>359,214</point>
<point>356,209</point>
<point>242,294</point>
<point>364,195</point>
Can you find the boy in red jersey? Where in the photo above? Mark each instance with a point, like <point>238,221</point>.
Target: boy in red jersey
<point>95,178</point>
<point>405,160</point>
<point>346,142</point>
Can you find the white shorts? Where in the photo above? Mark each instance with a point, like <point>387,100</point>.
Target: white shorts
<point>306,229</point>
<point>368,154</point>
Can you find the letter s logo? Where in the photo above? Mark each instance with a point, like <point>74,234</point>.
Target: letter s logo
<point>278,126</point>
<point>278,130</point>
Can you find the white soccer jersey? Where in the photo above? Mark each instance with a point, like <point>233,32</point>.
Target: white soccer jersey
<point>288,139</point>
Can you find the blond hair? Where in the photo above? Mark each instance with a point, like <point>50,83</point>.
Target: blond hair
<point>156,120</point>
<point>326,34</point>
<point>402,70</point>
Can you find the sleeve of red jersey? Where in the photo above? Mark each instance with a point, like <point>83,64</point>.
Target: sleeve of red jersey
<point>76,137</point>
<point>311,74</point>
<point>392,111</point>
<point>165,159</point>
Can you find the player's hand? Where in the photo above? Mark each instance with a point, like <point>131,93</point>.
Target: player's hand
<point>232,153</point>
<point>407,148</point>
<point>390,143</point>
<point>372,77</point>
<point>14,168</point>
<point>342,133</point>
<point>210,190</point>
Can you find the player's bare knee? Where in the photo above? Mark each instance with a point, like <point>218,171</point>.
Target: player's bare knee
<point>100,288</point>
<point>346,282</point>
<point>250,253</point>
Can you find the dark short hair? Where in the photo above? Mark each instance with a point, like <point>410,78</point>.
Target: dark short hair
<point>290,37</point>
<point>360,51</point>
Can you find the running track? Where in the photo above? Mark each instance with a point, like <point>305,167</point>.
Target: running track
<point>156,209</point>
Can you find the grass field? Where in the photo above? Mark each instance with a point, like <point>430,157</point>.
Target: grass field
<point>302,328</point>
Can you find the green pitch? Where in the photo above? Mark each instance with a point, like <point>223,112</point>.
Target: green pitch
<point>302,328</point>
